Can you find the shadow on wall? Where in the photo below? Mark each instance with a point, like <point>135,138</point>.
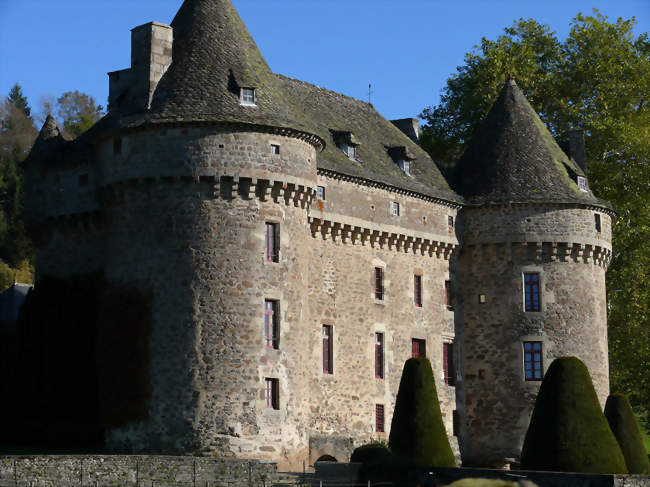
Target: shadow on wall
<point>77,365</point>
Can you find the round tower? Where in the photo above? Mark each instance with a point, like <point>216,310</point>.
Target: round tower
<point>209,190</point>
<point>535,246</point>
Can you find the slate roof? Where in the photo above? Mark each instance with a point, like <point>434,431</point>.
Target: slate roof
<point>514,158</point>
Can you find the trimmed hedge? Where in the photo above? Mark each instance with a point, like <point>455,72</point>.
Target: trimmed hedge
<point>621,420</point>
<point>372,454</point>
<point>417,435</point>
<point>568,431</point>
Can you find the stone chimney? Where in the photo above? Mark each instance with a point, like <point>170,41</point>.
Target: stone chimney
<point>410,126</point>
<point>573,144</point>
<point>151,54</point>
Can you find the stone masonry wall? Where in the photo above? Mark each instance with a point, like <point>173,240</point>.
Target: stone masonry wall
<point>496,401</point>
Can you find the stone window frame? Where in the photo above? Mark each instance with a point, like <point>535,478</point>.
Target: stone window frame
<point>448,361</point>
<point>395,209</point>
<point>449,295</point>
<point>321,192</point>
<point>598,223</point>
<point>275,149</point>
<point>272,393</point>
<point>380,354</point>
<point>379,283</point>
<point>532,354</point>
<point>529,289</point>
<point>272,315</point>
<point>419,346</point>
<point>272,248</point>
<point>380,418</point>
<point>328,349</point>
<point>546,360</point>
<point>417,289</point>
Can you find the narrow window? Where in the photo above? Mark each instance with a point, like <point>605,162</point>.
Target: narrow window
<point>379,418</point>
<point>405,166</point>
<point>83,180</point>
<point>272,324</point>
<point>417,290</point>
<point>327,350</point>
<point>448,363</point>
<point>272,393</point>
<point>455,422</point>
<point>247,96</point>
<point>449,300</point>
<point>320,193</point>
<point>379,284</point>
<point>597,222</point>
<point>395,208</point>
<point>272,242</point>
<point>418,348</point>
<point>275,149</point>
<point>379,355</point>
<point>117,145</point>
<point>533,368</point>
<point>482,299</point>
<point>582,184</point>
<point>450,222</point>
<point>531,291</point>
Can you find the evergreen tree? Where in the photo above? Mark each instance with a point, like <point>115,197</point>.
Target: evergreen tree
<point>568,431</point>
<point>621,420</point>
<point>17,99</point>
<point>417,435</point>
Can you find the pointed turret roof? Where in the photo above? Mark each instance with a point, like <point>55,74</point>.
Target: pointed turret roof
<point>514,158</point>
<point>49,140</point>
<point>213,57</point>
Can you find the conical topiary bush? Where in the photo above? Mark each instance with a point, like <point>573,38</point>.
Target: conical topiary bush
<point>568,431</point>
<point>417,434</point>
<point>621,420</point>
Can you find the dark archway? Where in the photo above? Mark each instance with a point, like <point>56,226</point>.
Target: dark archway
<point>326,458</point>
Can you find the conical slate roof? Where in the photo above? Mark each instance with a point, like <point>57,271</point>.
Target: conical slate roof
<point>513,158</point>
<point>213,57</point>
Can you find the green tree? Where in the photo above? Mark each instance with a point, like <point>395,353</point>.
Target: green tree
<point>568,431</point>
<point>77,112</point>
<point>597,79</point>
<point>621,420</point>
<point>417,435</point>
<point>17,134</point>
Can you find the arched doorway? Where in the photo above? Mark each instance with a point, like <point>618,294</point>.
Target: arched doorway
<point>326,458</point>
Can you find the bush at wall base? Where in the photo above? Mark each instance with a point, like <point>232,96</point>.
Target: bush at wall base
<point>375,458</point>
<point>568,431</point>
<point>621,420</point>
<point>417,436</point>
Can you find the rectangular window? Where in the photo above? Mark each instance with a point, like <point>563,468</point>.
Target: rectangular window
<point>533,367</point>
<point>450,221</point>
<point>117,145</point>
<point>417,290</point>
<point>379,418</point>
<point>582,184</point>
<point>448,363</point>
<point>320,193</point>
<point>531,291</point>
<point>248,96</point>
<point>272,324</point>
<point>379,284</point>
<point>418,348</point>
<point>449,300</point>
<point>597,222</point>
<point>327,350</point>
<point>275,149</point>
<point>394,208</point>
<point>405,166</point>
<point>272,242</point>
<point>272,393</point>
<point>379,355</point>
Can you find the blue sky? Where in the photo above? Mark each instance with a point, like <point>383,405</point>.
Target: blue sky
<point>405,48</point>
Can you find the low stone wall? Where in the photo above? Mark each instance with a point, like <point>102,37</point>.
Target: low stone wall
<point>158,471</point>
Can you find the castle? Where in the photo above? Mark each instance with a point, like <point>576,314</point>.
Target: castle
<point>299,247</point>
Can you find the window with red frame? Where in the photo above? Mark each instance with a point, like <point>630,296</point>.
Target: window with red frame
<point>379,355</point>
<point>272,393</point>
<point>328,366</point>
<point>272,323</point>
<point>272,242</point>
<point>379,284</point>
<point>418,348</point>
<point>533,366</point>
<point>448,363</point>
<point>379,418</point>
<point>417,290</point>
<point>448,296</point>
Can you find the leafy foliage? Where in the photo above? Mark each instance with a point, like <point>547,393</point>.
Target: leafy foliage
<point>597,79</point>
<point>78,112</point>
<point>375,459</point>
<point>621,420</point>
<point>568,432</point>
<point>417,435</point>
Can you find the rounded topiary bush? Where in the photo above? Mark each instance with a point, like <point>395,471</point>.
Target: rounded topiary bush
<point>568,431</point>
<point>621,420</point>
<point>372,454</point>
<point>417,435</point>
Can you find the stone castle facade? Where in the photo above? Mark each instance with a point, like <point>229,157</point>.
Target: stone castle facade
<point>298,248</point>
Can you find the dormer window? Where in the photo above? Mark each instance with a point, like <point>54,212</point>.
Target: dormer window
<point>247,96</point>
<point>582,184</point>
<point>405,166</point>
<point>350,151</point>
<point>347,142</point>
